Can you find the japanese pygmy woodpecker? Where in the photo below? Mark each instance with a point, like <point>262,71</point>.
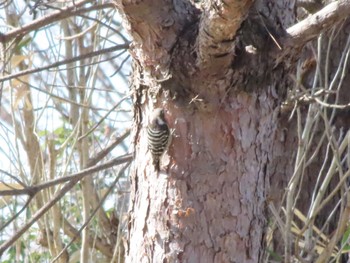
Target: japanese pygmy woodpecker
<point>158,134</point>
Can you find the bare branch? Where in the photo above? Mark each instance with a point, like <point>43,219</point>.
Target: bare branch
<point>78,176</point>
<point>97,242</point>
<point>77,234</point>
<point>313,25</point>
<point>9,221</point>
<point>13,177</point>
<point>63,13</point>
<point>32,190</point>
<point>65,61</point>
<point>108,149</point>
<point>103,118</point>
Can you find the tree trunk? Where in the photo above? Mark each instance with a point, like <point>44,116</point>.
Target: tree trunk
<point>210,204</point>
<point>217,71</point>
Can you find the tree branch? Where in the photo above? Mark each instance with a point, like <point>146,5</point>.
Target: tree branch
<point>65,61</point>
<point>9,221</point>
<point>217,31</point>
<point>32,190</point>
<point>312,26</point>
<point>63,13</point>
<point>101,246</point>
<point>102,154</point>
<point>78,176</point>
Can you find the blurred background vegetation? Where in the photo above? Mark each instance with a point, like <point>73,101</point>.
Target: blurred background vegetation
<point>65,108</point>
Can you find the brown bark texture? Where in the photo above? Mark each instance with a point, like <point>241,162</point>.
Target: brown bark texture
<point>220,72</point>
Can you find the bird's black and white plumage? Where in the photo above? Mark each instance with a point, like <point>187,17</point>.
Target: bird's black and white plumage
<point>158,134</point>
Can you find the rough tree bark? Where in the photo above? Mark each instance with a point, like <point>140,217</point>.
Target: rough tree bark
<point>220,70</point>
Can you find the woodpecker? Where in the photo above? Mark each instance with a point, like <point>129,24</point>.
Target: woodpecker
<point>158,134</point>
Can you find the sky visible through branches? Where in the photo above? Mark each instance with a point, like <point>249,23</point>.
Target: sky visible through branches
<point>78,96</point>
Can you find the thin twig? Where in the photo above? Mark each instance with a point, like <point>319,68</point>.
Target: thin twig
<point>103,118</point>
<point>8,222</point>
<point>64,62</point>
<point>55,16</point>
<point>99,156</point>
<point>94,212</point>
<point>13,177</point>
<point>79,175</point>
<point>73,181</point>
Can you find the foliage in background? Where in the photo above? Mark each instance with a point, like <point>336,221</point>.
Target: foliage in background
<point>65,116</point>
<point>313,222</point>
